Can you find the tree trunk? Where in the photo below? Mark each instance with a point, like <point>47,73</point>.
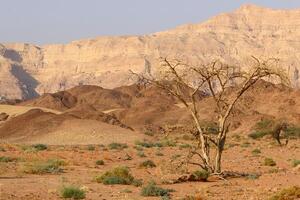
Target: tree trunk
<point>218,158</point>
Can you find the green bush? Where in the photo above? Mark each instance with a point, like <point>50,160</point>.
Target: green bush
<point>295,163</point>
<point>252,176</point>
<point>293,132</point>
<point>148,164</point>
<point>72,192</point>
<point>99,162</point>
<point>141,154</point>
<point>184,146</point>
<point>162,143</point>
<point>256,151</point>
<point>118,146</point>
<point>91,148</point>
<point>149,133</point>
<point>153,190</point>
<point>118,175</point>
<point>158,153</point>
<point>200,175</point>
<point>40,147</point>
<point>147,144</point>
<point>259,134</point>
<point>42,167</point>
<point>269,162</point>
<point>7,159</point>
<point>291,193</point>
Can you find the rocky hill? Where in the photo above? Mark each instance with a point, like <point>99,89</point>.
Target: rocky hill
<point>28,70</point>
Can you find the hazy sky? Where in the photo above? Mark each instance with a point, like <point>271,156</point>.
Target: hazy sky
<point>60,21</point>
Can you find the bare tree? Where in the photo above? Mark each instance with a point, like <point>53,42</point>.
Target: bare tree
<point>214,79</point>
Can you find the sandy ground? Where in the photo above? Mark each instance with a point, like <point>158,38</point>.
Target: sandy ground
<point>81,169</point>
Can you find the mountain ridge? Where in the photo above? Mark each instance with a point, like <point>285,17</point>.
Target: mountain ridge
<point>105,61</point>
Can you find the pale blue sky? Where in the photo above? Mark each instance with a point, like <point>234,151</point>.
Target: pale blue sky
<point>60,21</point>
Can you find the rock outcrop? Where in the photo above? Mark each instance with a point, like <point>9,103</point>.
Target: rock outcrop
<point>27,70</point>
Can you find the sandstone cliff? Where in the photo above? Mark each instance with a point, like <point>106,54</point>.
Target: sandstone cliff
<point>27,70</point>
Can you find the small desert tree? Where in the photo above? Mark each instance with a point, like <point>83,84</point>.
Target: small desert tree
<point>224,83</point>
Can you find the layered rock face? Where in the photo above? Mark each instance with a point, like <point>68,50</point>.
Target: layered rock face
<point>27,70</point>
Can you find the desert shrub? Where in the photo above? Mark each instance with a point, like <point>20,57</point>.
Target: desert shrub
<point>269,162</point>
<point>256,151</point>
<point>188,137</point>
<point>141,154</point>
<point>118,146</point>
<point>184,146</point>
<point>148,164</point>
<point>290,193</point>
<point>293,132</point>
<point>158,153</point>
<point>200,175</point>
<point>118,175</point>
<point>252,176</point>
<point>99,162</point>
<point>162,143</point>
<point>259,134</point>
<point>91,148</point>
<point>149,133</point>
<point>40,147</point>
<point>151,189</point>
<point>262,128</point>
<point>126,191</point>
<point>245,144</point>
<point>168,143</point>
<point>7,159</point>
<point>295,163</point>
<point>2,149</point>
<point>264,124</point>
<point>138,147</point>
<point>42,167</point>
<point>147,144</point>
<point>137,182</point>
<point>72,192</point>
<point>174,157</point>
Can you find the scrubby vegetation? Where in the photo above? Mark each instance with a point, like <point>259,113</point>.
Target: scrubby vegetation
<point>148,164</point>
<point>162,143</point>
<point>118,175</point>
<point>290,193</point>
<point>91,148</point>
<point>7,159</point>
<point>40,147</point>
<point>72,192</point>
<point>141,154</point>
<point>99,162</point>
<point>117,146</point>
<point>262,128</point>
<point>270,127</point>
<point>42,167</point>
<point>295,163</point>
<point>151,189</point>
<point>200,175</point>
<point>269,162</point>
<point>256,152</point>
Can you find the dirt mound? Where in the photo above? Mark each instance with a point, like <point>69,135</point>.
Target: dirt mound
<point>90,113</point>
<point>101,98</point>
<point>37,122</point>
<point>33,122</point>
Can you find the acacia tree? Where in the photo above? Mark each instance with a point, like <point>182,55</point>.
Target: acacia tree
<point>224,83</point>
